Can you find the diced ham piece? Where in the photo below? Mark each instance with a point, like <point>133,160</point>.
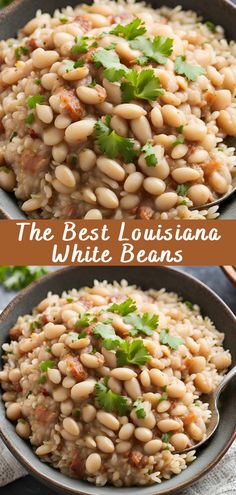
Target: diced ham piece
<point>71,103</point>
<point>76,369</point>
<point>44,416</point>
<point>33,164</point>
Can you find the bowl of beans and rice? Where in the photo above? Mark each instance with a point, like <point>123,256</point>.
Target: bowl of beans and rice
<point>117,110</point>
<point>105,382</point>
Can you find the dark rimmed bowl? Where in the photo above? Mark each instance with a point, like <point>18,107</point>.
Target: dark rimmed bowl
<point>147,277</point>
<point>13,17</point>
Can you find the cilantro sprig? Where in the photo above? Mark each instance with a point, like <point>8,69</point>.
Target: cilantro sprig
<point>45,365</point>
<point>182,189</point>
<point>131,30</point>
<point>191,72</point>
<point>132,352</point>
<point>139,409</point>
<point>81,45</point>
<point>32,101</point>
<point>112,144</point>
<point>171,340</point>
<point>143,85</point>
<point>110,401</point>
<point>149,155</point>
<point>146,324</point>
<point>157,50</point>
<point>126,307</point>
<point>18,277</point>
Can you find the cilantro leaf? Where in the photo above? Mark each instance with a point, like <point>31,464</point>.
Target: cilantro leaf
<point>104,331</point>
<point>77,336</point>
<point>124,308</point>
<point>32,101</point>
<point>139,409</point>
<point>42,379</point>
<point>149,155</point>
<point>18,277</point>
<point>158,49</point>
<point>179,140</point>
<point>80,46</point>
<point>189,304</point>
<point>166,437</point>
<point>113,145</point>
<point>164,396</point>
<point>29,119</point>
<point>108,59</point>
<point>34,325</point>
<point>21,50</point>
<point>130,31</point>
<point>211,26</point>
<point>182,189</point>
<point>191,72</point>
<point>142,324</point>
<point>85,320</point>
<point>44,365</point>
<point>171,340</point>
<point>144,85</point>
<point>109,401</point>
<point>132,352</point>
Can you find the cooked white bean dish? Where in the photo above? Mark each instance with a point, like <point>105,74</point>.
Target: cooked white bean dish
<point>117,110</point>
<point>106,382</point>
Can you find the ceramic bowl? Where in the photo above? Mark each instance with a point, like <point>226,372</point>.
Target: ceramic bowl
<point>147,277</point>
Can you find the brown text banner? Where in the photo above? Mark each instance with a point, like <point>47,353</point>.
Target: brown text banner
<point>113,242</point>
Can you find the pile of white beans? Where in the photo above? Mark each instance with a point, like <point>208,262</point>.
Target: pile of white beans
<point>63,173</point>
<point>57,408</point>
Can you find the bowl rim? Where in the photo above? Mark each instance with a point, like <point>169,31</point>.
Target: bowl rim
<point>55,484</point>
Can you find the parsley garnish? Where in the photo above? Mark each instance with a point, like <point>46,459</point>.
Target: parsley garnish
<point>85,320</point>
<point>37,81</point>
<point>144,85</point>
<point>32,101</point>
<point>70,65</point>
<point>163,397</point>
<point>29,119</point>
<point>44,365</point>
<point>18,277</point>
<point>171,340</point>
<point>14,134</point>
<point>77,336</point>
<point>124,308</point>
<point>109,401</point>
<point>158,49</point>
<point>42,379</point>
<point>149,155</point>
<point>191,72</point>
<point>139,409</point>
<point>211,26</point>
<point>182,189</point>
<point>132,352</point>
<point>146,323</point>
<point>130,31</point>
<point>33,325</point>
<point>111,62</point>
<point>180,128</point>
<point>113,145</point>
<point>166,437</point>
<point>189,304</point>
<point>80,46</point>
<point>21,50</point>
<point>179,140</point>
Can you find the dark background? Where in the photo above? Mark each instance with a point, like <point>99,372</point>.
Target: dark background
<point>211,276</point>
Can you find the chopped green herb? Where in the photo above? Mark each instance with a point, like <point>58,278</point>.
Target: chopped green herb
<point>109,401</point>
<point>85,320</point>
<point>149,155</point>
<point>48,349</point>
<point>18,277</point>
<point>144,85</point>
<point>124,308</point>
<point>139,409</point>
<point>107,333</point>
<point>166,437</point>
<point>80,46</point>
<point>171,340</point>
<point>109,60</point>
<point>147,323</point>
<point>130,31</point>
<point>179,140</point>
<point>33,325</point>
<point>180,128</point>
<point>34,100</point>
<point>44,365</point>
<point>211,26</point>
<point>132,352</point>
<point>42,379</point>
<point>184,202</point>
<point>77,336</point>
<point>182,189</point>
<point>113,145</point>
<point>14,134</point>
<point>37,81</point>
<point>111,46</point>
<point>191,72</point>
<point>158,49</point>
<point>93,83</point>
<point>94,350</point>
<point>29,119</point>
<point>77,413</point>
<point>164,396</point>
<point>189,304</point>
<point>21,50</point>
<point>69,299</point>
<point>197,403</point>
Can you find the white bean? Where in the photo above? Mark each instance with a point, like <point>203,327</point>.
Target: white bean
<point>111,168</point>
<point>65,176</point>
<point>79,131</point>
<point>93,463</point>
<point>107,198</point>
<point>129,111</point>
